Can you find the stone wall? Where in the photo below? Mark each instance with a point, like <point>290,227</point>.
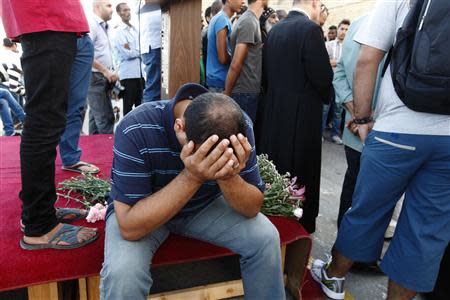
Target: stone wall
<point>339,9</point>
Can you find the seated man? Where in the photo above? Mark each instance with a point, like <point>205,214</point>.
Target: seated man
<point>7,103</point>
<point>184,166</point>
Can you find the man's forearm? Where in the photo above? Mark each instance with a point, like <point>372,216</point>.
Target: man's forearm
<point>155,210</point>
<point>97,65</point>
<point>365,79</point>
<point>243,197</point>
<point>232,77</point>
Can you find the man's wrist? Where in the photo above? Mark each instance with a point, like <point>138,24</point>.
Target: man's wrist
<point>362,121</point>
<point>188,176</point>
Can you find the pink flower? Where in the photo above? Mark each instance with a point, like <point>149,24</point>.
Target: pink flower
<point>96,213</point>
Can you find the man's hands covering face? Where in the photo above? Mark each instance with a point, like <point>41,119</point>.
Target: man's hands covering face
<point>226,160</point>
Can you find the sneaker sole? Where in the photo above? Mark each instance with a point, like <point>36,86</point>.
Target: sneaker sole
<point>328,292</point>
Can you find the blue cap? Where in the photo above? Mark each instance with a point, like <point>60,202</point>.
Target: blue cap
<point>189,91</point>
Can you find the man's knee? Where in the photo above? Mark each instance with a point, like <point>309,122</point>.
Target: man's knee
<point>264,236</point>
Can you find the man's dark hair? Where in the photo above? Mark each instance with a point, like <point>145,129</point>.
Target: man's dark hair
<point>332,27</point>
<point>208,12</point>
<point>251,1</point>
<point>8,43</point>
<point>344,22</point>
<point>213,113</point>
<point>216,7</point>
<point>119,6</point>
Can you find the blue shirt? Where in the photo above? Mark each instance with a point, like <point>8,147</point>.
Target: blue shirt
<point>147,157</point>
<point>343,80</point>
<point>128,60</point>
<point>216,73</point>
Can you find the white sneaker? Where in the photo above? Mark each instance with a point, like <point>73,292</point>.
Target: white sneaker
<point>332,287</point>
<point>336,139</point>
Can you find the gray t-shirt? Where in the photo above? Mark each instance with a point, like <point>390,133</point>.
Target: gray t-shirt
<point>391,114</point>
<point>247,31</point>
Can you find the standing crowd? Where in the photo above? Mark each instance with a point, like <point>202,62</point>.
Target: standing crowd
<point>274,84</point>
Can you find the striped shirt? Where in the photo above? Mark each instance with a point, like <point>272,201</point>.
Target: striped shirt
<point>11,77</point>
<point>147,158</point>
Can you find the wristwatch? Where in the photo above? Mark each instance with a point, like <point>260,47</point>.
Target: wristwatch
<point>362,121</point>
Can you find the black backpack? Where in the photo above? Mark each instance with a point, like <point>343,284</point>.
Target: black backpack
<point>420,58</point>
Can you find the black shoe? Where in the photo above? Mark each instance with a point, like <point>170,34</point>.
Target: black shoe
<point>365,267</point>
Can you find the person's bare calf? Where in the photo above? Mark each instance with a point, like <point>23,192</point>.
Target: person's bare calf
<point>339,266</point>
<point>397,292</point>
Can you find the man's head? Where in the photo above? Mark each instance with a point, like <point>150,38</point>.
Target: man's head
<point>332,33</point>
<point>268,19</point>
<point>281,13</point>
<point>103,9</point>
<point>216,7</point>
<point>208,15</point>
<point>234,5</point>
<point>124,12</point>
<point>342,29</point>
<point>264,3</point>
<point>209,114</point>
<point>312,7</point>
<point>324,13</point>
<point>10,45</point>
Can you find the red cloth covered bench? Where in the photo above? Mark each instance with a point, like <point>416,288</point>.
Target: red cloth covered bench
<point>40,271</point>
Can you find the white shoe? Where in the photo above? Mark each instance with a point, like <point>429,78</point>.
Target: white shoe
<point>332,287</point>
<point>337,140</point>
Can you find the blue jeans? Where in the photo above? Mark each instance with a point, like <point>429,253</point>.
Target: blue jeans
<point>152,62</point>
<point>8,102</point>
<point>336,118</point>
<point>126,269</point>
<point>393,164</point>
<point>79,83</point>
<point>248,103</point>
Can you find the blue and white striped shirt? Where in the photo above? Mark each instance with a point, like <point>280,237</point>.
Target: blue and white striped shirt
<point>147,158</point>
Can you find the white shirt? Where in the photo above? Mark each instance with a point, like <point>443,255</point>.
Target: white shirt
<point>150,27</point>
<point>391,114</point>
<point>99,33</point>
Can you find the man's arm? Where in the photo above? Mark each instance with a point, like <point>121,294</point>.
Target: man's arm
<point>222,46</point>
<point>150,213</point>
<point>111,76</point>
<point>342,88</point>
<point>124,51</point>
<point>240,54</point>
<point>317,65</point>
<point>364,85</point>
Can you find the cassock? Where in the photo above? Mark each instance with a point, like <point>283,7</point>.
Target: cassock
<point>298,81</point>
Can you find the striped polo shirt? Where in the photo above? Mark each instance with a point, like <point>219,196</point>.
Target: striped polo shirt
<point>147,156</point>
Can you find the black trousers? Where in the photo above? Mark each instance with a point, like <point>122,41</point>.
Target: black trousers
<point>353,157</point>
<point>132,95</point>
<point>46,62</point>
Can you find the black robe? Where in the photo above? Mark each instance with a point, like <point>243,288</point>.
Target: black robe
<point>298,81</point>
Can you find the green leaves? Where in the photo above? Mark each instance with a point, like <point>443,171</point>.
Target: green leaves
<point>277,199</point>
<point>86,189</point>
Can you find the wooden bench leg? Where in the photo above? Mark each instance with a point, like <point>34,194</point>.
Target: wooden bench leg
<point>89,288</point>
<point>44,291</point>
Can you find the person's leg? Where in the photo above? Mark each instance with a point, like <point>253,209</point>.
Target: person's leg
<point>126,268</point>
<point>326,109</point>
<point>248,103</point>
<point>423,230</point>
<point>5,115</point>
<point>127,96</point>
<point>79,83</point>
<point>13,104</point>
<point>353,158</point>
<point>256,240</point>
<point>46,61</point>
<point>152,61</point>
<point>397,292</point>
<point>101,116</point>
<point>388,163</point>
<point>337,119</point>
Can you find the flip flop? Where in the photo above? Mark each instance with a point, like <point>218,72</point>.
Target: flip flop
<point>67,233</point>
<point>63,212</point>
<point>78,168</point>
